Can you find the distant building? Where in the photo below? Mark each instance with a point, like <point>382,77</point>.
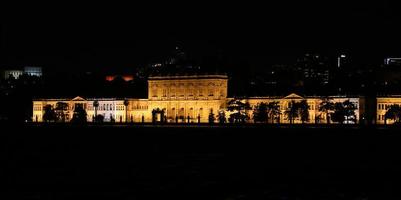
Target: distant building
<point>29,70</point>
<point>33,71</point>
<point>341,60</point>
<point>392,61</point>
<point>314,68</point>
<point>156,65</point>
<point>13,73</point>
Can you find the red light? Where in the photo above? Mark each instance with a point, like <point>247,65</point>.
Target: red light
<point>128,78</point>
<point>110,78</point>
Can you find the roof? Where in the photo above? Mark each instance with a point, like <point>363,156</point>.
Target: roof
<point>78,98</point>
<point>183,77</point>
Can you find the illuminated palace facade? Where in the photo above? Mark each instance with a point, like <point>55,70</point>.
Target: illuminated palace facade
<point>191,98</point>
<point>383,104</point>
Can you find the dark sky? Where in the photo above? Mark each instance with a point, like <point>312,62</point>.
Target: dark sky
<point>261,35</point>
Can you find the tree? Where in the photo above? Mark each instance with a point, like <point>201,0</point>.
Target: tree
<point>112,120</point>
<point>303,109</point>
<point>393,113</point>
<point>49,114</point>
<point>260,112</point>
<point>60,111</point>
<point>99,118</point>
<point>318,118</point>
<point>222,117</point>
<point>292,111</point>
<point>79,115</point>
<point>349,111</point>
<point>273,110</point>
<point>339,113</point>
<point>211,117</point>
<point>326,106</point>
<point>240,110</point>
<point>96,105</point>
<point>298,110</point>
<point>344,112</point>
<point>126,103</point>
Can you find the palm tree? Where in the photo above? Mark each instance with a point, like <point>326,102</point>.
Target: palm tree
<point>326,106</point>
<point>96,105</point>
<point>349,110</point>
<point>49,114</point>
<point>303,109</point>
<point>339,113</point>
<point>211,117</point>
<point>222,117</point>
<point>292,111</point>
<point>240,109</point>
<point>126,103</point>
<point>273,110</point>
<point>393,113</point>
<point>79,114</point>
<point>61,108</point>
<point>260,112</point>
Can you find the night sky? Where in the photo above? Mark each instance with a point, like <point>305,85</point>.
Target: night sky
<point>80,37</point>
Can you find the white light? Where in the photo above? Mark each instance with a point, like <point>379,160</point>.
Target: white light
<point>338,62</point>
<point>343,56</point>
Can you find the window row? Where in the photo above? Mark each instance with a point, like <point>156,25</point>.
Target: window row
<point>105,107</point>
<point>182,93</point>
<point>188,85</point>
<point>37,108</point>
<point>385,106</point>
<point>139,107</point>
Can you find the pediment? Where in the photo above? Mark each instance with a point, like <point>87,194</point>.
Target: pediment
<point>293,96</point>
<point>78,98</point>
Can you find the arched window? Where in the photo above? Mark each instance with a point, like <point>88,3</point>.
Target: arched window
<point>210,92</point>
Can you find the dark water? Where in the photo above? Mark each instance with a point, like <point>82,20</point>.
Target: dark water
<point>200,163</point>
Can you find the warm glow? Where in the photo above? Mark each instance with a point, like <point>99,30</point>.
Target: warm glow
<point>128,78</point>
<point>110,78</point>
<point>185,99</point>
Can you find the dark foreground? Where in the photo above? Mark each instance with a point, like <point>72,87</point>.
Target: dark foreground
<point>64,162</point>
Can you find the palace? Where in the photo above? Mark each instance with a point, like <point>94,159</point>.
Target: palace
<point>189,99</point>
